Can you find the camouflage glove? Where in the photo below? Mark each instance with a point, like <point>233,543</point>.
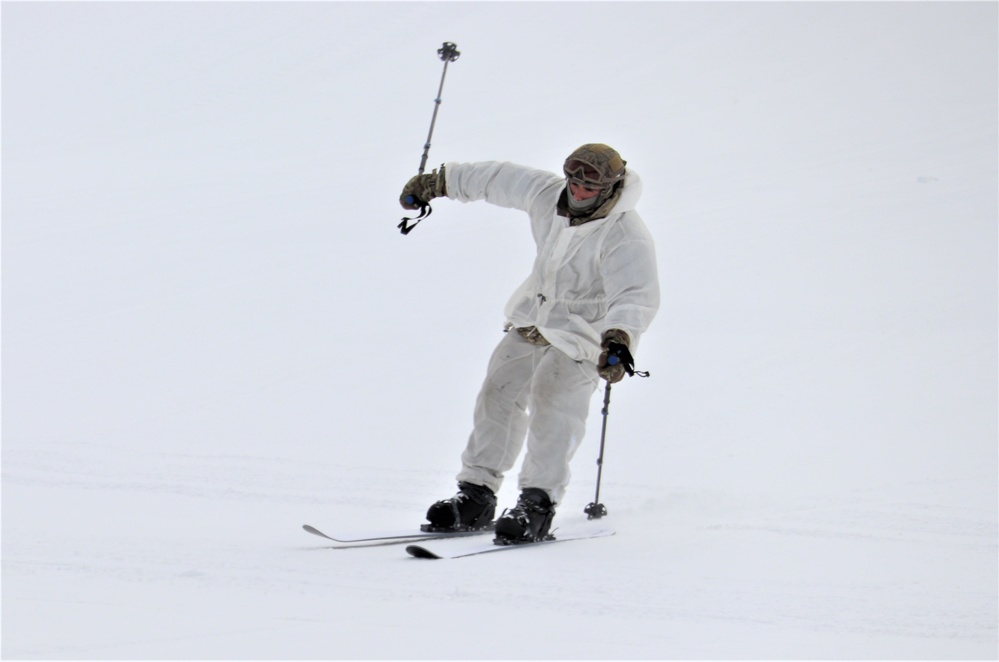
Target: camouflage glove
<point>615,359</point>
<point>421,189</point>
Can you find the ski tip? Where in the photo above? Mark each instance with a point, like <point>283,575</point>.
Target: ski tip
<point>420,552</point>
<point>316,532</point>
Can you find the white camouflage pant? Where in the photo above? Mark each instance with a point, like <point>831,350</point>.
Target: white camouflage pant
<point>531,392</point>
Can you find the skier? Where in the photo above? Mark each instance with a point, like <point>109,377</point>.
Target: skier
<point>593,291</point>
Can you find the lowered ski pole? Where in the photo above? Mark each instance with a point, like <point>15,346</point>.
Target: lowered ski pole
<point>616,354</point>
<point>596,510</point>
<point>448,53</point>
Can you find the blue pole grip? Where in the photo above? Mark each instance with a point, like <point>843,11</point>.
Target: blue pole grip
<point>613,359</point>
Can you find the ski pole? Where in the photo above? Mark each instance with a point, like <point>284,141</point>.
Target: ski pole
<point>448,53</point>
<point>596,510</point>
<point>616,354</point>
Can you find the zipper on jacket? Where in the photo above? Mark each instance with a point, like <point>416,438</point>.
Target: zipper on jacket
<point>541,299</point>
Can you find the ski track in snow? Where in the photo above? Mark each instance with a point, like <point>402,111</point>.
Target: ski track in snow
<point>762,571</point>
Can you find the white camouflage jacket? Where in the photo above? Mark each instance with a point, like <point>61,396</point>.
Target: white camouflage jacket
<point>586,279</point>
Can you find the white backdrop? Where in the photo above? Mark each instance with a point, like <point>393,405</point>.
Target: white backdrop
<point>213,332</point>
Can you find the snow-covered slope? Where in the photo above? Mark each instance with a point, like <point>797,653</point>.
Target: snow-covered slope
<point>213,332</point>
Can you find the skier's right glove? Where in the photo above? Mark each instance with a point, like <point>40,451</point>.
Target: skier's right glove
<point>421,189</point>
<point>616,359</point>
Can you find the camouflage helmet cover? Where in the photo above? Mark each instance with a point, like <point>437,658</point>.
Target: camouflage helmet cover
<point>594,165</point>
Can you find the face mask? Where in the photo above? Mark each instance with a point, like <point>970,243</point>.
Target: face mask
<point>581,205</point>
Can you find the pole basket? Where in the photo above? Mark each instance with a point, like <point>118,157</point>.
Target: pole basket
<point>595,511</point>
<point>448,52</point>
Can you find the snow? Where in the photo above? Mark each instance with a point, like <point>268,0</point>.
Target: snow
<point>213,332</point>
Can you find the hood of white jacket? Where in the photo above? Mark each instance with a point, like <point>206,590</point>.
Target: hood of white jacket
<point>630,193</point>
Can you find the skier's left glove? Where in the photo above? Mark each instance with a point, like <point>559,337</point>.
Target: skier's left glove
<point>616,358</point>
<point>421,189</point>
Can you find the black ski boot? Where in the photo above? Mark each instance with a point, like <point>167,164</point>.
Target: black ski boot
<point>528,521</point>
<point>472,508</point>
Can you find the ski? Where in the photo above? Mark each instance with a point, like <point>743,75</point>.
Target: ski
<point>475,549</point>
<point>391,538</point>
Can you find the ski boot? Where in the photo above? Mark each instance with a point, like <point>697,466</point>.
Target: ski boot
<point>471,509</point>
<point>528,521</point>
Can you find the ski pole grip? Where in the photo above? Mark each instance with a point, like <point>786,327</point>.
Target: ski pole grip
<point>613,359</point>
<point>411,199</point>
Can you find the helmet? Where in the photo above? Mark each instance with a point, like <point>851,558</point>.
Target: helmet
<point>594,165</point>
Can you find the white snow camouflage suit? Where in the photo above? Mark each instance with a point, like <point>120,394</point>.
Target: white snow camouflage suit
<point>586,279</point>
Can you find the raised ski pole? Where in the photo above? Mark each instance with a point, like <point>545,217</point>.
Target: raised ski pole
<point>448,53</point>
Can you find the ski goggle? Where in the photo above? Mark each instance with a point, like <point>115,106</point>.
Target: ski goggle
<point>583,174</point>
